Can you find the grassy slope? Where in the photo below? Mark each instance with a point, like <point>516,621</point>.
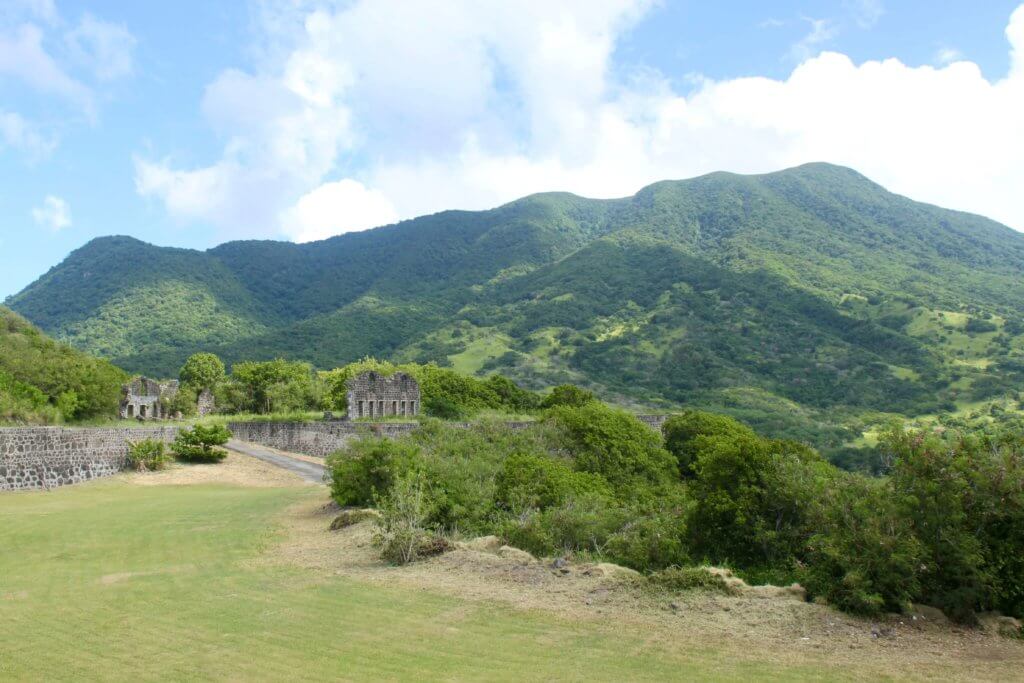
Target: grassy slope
<point>35,371</point>
<point>110,582</point>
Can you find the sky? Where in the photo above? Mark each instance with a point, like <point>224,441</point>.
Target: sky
<point>194,123</point>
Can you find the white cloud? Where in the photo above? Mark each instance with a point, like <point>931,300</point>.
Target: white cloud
<point>22,56</point>
<point>334,208</point>
<point>947,55</point>
<point>21,134</point>
<point>822,31</point>
<point>466,104</point>
<point>54,214</point>
<point>1015,34</point>
<point>865,12</point>
<point>102,47</point>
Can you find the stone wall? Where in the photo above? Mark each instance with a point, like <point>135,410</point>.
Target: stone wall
<point>45,457</point>
<point>320,439</point>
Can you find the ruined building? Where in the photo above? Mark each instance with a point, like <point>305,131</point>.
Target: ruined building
<point>146,399</point>
<point>372,394</point>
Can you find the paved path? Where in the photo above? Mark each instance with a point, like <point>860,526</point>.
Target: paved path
<point>307,470</point>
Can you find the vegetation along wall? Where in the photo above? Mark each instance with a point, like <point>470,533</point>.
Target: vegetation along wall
<point>45,457</point>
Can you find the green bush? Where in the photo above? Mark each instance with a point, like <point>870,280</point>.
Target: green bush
<point>681,432</point>
<point>199,443</point>
<point>651,542</point>
<point>616,445</point>
<point>568,395</point>
<point>528,480</point>
<point>964,497</point>
<point>148,455</point>
<point>582,523</point>
<point>368,468</point>
<point>865,559</point>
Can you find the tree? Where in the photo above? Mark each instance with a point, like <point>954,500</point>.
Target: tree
<point>202,371</point>
<point>681,432</point>
<point>568,395</point>
<point>277,385</point>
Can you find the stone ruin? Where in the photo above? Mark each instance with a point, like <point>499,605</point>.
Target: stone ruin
<point>147,399</point>
<point>374,395</point>
<point>205,404</point>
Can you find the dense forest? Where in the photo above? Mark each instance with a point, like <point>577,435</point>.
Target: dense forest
<point>810,302</point>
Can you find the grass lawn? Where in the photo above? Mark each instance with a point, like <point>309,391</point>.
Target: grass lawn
<point>111,581</point>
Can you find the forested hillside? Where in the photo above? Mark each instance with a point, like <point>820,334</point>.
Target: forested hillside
<point>45,382</point>
<point>809,301</point>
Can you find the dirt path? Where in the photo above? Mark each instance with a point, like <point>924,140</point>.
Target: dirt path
<point>310,471</point>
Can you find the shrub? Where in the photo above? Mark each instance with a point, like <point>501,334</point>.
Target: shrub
<point>367,469</point>
<point>964,497</point>
<point>401,534</point>
<point>616,445</point>
<point>681,432</point>
<point>865,559</point>
<point>756,501</point>
<point>540,481</point>
<point>147,455</point>
<point>568,395</point>
<point>198,444</point>
<point>511,395</point>
<point>581,524</point>
<point>651,542</point>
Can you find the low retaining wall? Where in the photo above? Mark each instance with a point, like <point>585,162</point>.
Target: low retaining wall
<point>320,439</point>
<point>45,457</point>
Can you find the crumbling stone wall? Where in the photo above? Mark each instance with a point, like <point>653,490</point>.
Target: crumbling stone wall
<point>144,398</point>
<point>205,404</point>
<point>46,457</point>
<point>372,394</point>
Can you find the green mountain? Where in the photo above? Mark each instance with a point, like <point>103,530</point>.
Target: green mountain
<point>45,382</point>
<point>803,300</point>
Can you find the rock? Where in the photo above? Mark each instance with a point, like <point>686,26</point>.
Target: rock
<point>516,555</point>
<point>674,606</point>
<point>559,563</point>
<point>483,544</point>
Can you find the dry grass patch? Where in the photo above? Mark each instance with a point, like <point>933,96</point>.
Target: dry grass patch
<point>752,622</point>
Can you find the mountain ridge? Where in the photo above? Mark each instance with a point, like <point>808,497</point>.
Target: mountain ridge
<point>811,285</point>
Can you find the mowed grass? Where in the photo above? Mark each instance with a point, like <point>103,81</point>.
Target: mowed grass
<point>109,581</point>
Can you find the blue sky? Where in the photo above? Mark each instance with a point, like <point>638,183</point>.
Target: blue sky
<point>194,123</point>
